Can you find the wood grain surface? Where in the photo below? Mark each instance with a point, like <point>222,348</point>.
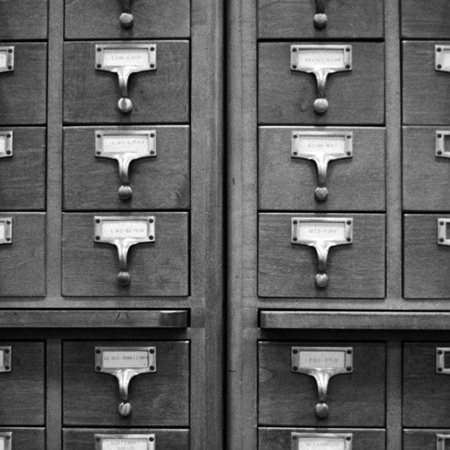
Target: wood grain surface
<point>354,184</point>
<point>26,438</point>
<point>157,269</point>
<point>347,19</point>
<point>91,398</point>
<point>22,180</point>
<point>422,439</point>
<point>288,398</point>
<point>23,91</point>
<point>355,97</point>
<point>22,391</point>
<point>356,270</point>
<point>159,96</point>
<point>161,182</point>
<point>85,19</point>
<point>425,20</point>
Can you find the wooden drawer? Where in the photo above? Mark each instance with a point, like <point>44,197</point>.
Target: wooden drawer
<point>158,96</point>
<point>290,398</point>
<point>160,181</point>
<point>287,96</point>
<point>22,181</point>
<point>157,268</point>
<point>424,439</point>
<point>165,439</point>
<point>22,388</point>
<point>103,19</point>
<point>356,270</point>
<point>24,438</point>
<point>160,398</point>
<point>23,19</point>
<point>23,90</point>
<point>430,19</point>
<point>297,20</point>
<point>426,262</point>
<point>354,183</point>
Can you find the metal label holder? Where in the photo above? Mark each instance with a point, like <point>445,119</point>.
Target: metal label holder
<point>6,440</point>
<point>6,59</point>
<point>149,438</point>
<point>440,360</point>
<point>309,441</point>
<point>6,226</point>
<point>440,440</point>
<point>442,225</point>
<point>6,356</point>
<point>441,62</point>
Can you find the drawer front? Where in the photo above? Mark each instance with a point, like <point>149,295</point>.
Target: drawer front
<point>426,181</point>
<point>92,398</point>
<point>26,438</point>
<point>354,270</point>
<point>158,268</point>
<point>344,19</point>
<point>159,181</point>
<point>287,96</point>
<point>24,89</point>
<point>430,19</point>
<point>165,439</point>
<point>426,392</point>
<point>103,19</point>
<point>288,182</point>
<point>23,260</point>
<point>22,181</point>
<point>425,439</point>
<point>290,398</point>
<point>23,19</point>
<point>22,389</point>
<point>160,95</point>
<point>282,438</point>
<point>426,262</point>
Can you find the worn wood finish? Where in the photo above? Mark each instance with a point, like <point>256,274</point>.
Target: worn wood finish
<point>157,399</point>
<point>426,393</point>
<point>280,438</point>
<point>23,19</point>
<point>22,390</point>
<point>425,20</point>
<point>346,19</point>
<point>355,399</point>
<point>100,20</point>
<point>426,264</point>
<point>23,261</point>
<point>426,178</point>
<point>355,97</point>
<point>425,90</point>
<point>356,270</point>
<point>24,90</point>
<point>158,96</point>
<point>355,184</point>
<point>161,182</point>
<point>422,439</point>
<point>158,268</point>
<point>22,183</point>
<point>26,438</point>
<point>84,439</point>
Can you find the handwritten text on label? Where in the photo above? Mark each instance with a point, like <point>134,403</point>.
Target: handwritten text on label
<point>3,58</point>
<point>321,443</point>
<point>125,359</point>
<point>125,144</point>
<point>125,229</point>
<point>122,57</point>
<point>320,144</point>
<point>321,58</point>
<point>322,360</point>
<point>322,231</point>
<point>125,444</point>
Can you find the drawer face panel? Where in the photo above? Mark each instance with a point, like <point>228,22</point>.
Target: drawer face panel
<point>23,19</point>
<point>281,438</point>
<point>22,388</point>
<point>158,268</point>
<point>289,398</point>
<point>430,19</point>
<point>426,263</point>
<point>161,398</point>
<point>426,393</point>
<point>424,88</point>
<point>296,19</point>
<point>355,97</point>
<point>26,438</point>
<point>23,261</point>
<point>355,270</point>
<point>85,19</point>
<point>165,439</point>
<point>157,182</point>
<point>24,90</point>
<point>22,180</point>
<point>426,175</point>
<point>423,439</point>
<point>289,183</point>
<point>160,95</point>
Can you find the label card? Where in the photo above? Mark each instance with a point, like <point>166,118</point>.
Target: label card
<point>138,143</point>
<point>110,359</point>
<point>315,58</point>
<point>317,230</point>
<point>6,59</point>
<point>321,441</point>
<point>110,229</point>
<point>138,57</point>
<point>307,359</point>
<point>125,442</point>
<point>6,230</point>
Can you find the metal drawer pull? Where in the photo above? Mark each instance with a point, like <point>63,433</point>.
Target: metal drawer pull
<point>322,363</point>
<point>124,232</point>
<point>124,60</point>
<point>322,147</point>
<point>126,18</point>
<point>320,18</point>
<point>125,363</point>
<point>322,234</point>
<point>125,147</point>
<point>321,60</point>
<point>320,441</point>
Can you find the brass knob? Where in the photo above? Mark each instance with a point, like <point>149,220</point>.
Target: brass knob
<point>320,105</point>
<point>125,105</point>
<point>321,194</point>
<point>125,192</point>
<point>126,20</point>
<point>322,410</point>
<point>123,278</point>
<point>320,20</point>
<point>321,280</point>
<point>124,409</point>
